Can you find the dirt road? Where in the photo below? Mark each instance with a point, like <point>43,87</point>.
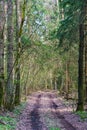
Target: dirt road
<point>42,113</point>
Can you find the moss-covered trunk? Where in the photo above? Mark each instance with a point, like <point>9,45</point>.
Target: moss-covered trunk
<point>2,22</point>
<point>18,42</point>
<point>80,105</point>
<point>85,41</point>
<point>9,100</point>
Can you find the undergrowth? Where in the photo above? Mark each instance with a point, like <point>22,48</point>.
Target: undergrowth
<point>53,128</point>
<point>9,120</point>
<point>82,114</point>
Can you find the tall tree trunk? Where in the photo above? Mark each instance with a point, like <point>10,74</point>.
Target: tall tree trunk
<point>80,105</point>
<point>18,42</point>
<point>67,85</point>
<point>85,42</point>
<point>9,103</point>
<point>2,22</point>
<point>61,10</point>
<point>17,67</point>
<point>62,86</point>
<point>25,84</point>
<point>51,85</point>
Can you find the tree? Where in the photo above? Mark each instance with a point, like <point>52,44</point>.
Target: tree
<point>2,23</point>
<point>18,49</point>
<point>9,100</point>
<point>17,66</point>
<point>80,105</point>
<point>85,44</point>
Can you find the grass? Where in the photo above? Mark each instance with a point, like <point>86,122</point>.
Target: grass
<point>10,123</point>
<point>82,114</point>
<point>18,110</point>
<point>10,119</point>
<point>53,128</point>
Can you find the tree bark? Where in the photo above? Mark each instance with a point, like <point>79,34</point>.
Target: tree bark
<point>18,42</point>
<point>67,85</point>
<point>85,42</point>
<point>9,103</point>
<point>80,105</point>
<point>17,67</point>
<point>2,23</point>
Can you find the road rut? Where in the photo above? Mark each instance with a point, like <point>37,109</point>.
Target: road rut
<point>42,113</point>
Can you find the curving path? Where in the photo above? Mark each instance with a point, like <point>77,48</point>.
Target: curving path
<point>42,113</point>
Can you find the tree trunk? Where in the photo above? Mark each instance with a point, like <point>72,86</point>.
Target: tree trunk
<point>17,67</point>
<point>61,10</point>
<point>18,41</point>
<point>9,103</point>
<point>2,23</point>
<point>67,85</point>
<point>80,105</point>
<point>85,42</point>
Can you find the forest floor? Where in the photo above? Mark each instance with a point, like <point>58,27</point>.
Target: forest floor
<point>47,111</point>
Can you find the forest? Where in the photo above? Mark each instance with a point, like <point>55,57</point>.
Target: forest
<point>43,64</point>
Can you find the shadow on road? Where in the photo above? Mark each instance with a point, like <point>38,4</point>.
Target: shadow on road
<point>63,121</point>
<point>36,124</point>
